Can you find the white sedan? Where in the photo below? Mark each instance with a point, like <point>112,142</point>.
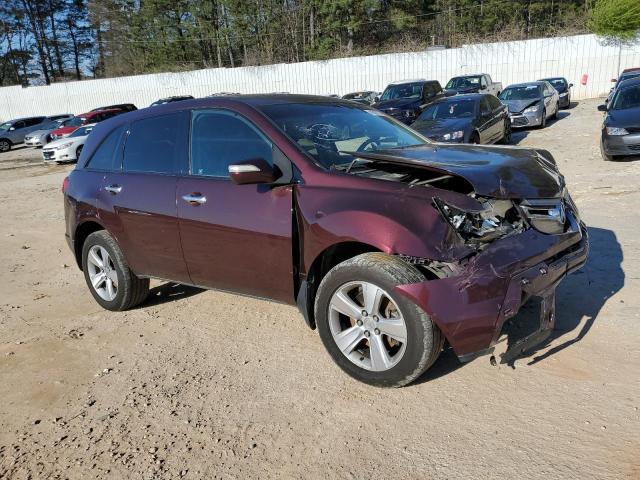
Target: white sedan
<point>67,149</point>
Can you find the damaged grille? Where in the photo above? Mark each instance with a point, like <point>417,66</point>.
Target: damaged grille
<point>546,215</point>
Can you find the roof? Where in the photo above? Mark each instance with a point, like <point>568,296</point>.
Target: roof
<point>470,75</point>
<point>464,96</point>
<point>526,84</point>
<point>629,82</point>
<point>401,82</point>
<point>546,79</point>
<point>24,118</point>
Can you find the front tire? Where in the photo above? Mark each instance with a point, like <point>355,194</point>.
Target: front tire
<point>543,122</point>
<point>373,333</point>
<point>5,145</point>
<point>506,138</point>
<point>113,285</point>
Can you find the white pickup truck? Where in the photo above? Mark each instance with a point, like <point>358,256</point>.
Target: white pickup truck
<point>476,83</point>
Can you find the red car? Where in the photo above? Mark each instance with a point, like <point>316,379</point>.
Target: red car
<point>389,244</point>
<point>83,119</point>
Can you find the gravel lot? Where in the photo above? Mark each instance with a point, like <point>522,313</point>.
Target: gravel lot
<point>202,384</point>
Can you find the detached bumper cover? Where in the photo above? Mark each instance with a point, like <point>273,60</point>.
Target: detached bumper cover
<point>528,119</point>
<point>471,307</point>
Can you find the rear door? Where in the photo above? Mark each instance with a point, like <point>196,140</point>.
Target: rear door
<point>499,117</point>
<point>234,237</point>
<point>487,121</point>
<point>138,198</point>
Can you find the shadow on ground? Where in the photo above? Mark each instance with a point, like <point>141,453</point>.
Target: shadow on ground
<point>580,296</point>
<point>169,292</point>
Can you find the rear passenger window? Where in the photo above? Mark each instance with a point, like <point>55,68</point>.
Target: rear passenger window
<point>157,144</point>
<point>108,156</point>
<point>220,139</point>
<point>494,102</point>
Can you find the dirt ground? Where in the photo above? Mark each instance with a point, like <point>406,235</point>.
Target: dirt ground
<point>202,384</point>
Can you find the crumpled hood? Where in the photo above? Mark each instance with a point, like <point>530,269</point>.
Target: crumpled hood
<point>437,127</point>
<point>517,106</point>
<point>492,171</point>
<point>400,103</point>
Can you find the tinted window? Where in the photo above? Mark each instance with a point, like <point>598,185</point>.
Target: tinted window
<point>33,121</point>
<point>107,155</point>
<point>20,124</point>
<point>156,144</point>
<point>220,139</point>
<point>494,103</point>
<point>485,106</point>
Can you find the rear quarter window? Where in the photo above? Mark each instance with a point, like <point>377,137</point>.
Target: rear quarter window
<point>108,155</point>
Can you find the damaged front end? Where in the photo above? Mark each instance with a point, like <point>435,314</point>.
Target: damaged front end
<point>520,247</point>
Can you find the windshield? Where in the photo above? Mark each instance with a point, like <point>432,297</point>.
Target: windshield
<point>6,126</point>
<point>627,98</point>
<point>81,132</point>
<point>327,132</point>
<point>450,109</point>
<point>463,82</point>
<point>526,92</point>
<point>557,82</point>
<point>627,76</point>
<point>76,122</point>
<point>405,90</point>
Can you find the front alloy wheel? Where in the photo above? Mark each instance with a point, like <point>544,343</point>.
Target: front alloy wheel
<point>5,145</point>
<point>367,326</point>
<point>374,333</point>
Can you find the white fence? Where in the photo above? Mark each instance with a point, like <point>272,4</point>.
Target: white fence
<point>508,62</point>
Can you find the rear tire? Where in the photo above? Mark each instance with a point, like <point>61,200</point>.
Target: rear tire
<point>408,354</point>
<point>126,289</point>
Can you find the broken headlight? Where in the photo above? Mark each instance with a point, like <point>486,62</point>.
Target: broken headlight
<point>496,219</point>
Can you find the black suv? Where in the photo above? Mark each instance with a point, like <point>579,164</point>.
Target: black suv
<point>405,100</point>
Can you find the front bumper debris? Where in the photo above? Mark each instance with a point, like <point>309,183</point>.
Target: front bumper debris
<point>471,307</point>
<point>532,119</point>
<point>621,144</point>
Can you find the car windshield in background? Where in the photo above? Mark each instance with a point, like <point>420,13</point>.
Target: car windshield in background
<point>450,109</point>
<point>463,82</point>
<point>627,98</point>
<point>528,92</point>
<point>6,126</point>
<point>81,132</point>
<point>328,132</point>
<point>76,122</point>
<point>405,90</point>
<point>557,82</point>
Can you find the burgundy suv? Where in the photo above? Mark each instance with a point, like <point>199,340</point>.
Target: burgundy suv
<point>389,244</point>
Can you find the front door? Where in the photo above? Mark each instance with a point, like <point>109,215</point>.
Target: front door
<point>234,237</point>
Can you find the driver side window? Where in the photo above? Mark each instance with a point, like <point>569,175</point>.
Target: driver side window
<point>220,138</point>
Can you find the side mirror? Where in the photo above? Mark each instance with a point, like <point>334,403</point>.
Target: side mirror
<point>570,85</point>
<point>614,80</point>
<point>602,108</point>
<point>253,172</point>
<point>376,99</point>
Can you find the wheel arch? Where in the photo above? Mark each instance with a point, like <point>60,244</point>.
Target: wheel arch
<point>322,263</point>
<point>83,230</point>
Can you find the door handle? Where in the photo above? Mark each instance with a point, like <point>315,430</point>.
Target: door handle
<point>195,199</point>
<point>114,189</point>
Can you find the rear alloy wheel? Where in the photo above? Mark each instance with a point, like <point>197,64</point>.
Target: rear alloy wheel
<point>5,145</point>
<point>373,333</point>
<point>113,285</point>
